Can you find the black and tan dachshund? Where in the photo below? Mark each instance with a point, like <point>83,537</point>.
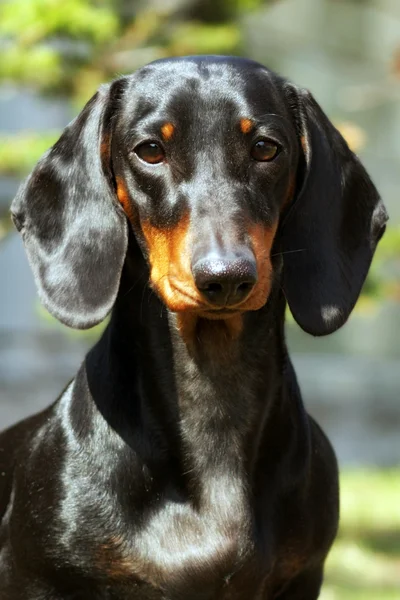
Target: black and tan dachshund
<point>192,199</point>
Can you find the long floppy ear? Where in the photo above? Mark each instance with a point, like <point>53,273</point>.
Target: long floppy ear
<point>73,228</point>
<point>330,233</point>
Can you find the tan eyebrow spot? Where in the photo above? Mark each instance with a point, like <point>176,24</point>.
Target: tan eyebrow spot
<point>167,131</point>
<point>246,125</point>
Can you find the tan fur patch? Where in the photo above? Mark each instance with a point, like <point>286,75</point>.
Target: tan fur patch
<point>167,131</point>
<point>117,561</point>
<point>123,197</point>
<point>262,238</point>
<point>246,125</point>
<point>110,559</point>
<point>170,270</point>
<point>171,277</point>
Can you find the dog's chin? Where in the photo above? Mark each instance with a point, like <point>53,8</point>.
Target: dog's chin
<point>214,333</point>
<point>211,335</point>
<point>218,314</point>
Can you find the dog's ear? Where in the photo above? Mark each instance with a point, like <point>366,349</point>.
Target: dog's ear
<point>73,228</point>
<point>330,232</point>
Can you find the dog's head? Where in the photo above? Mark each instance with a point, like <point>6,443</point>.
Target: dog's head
<point>210,161</point>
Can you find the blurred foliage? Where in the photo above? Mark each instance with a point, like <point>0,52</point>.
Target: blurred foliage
<point>71,47</point>
<point>18,153</point>
<point>364,563</point>
<point>384,276</point>
<point>35,36</point>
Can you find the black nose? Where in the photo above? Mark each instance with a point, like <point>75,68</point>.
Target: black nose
<point>225,282</point>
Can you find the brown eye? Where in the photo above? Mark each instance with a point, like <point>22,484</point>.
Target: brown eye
<point>150,152</point>
<point>264,150</point>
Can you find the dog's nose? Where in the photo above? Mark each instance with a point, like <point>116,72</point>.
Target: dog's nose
<point>225,282</point>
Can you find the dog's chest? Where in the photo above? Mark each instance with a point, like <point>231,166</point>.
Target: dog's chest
<point>178,546</point>
<point>178,552</point>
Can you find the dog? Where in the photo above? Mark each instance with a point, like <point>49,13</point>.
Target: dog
<point>193,200</point>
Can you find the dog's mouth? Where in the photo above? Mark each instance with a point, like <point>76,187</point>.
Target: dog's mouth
<point>184,299</point>
<point>209,285</point>
<point>190,302</point>
<point>209,330</point>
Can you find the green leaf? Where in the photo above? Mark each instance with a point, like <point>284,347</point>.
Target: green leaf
<point>19,153</point>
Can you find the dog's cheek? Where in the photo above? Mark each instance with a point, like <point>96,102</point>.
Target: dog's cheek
<point>262,239</point>
<point>169,258</point>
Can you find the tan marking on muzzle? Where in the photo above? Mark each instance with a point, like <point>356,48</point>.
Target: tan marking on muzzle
<point>262,238</point>
<point>167,131</point>
<point>200,323</point>
<point>170,265</point>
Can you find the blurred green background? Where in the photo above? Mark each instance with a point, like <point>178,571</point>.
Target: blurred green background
<point>54,54</point>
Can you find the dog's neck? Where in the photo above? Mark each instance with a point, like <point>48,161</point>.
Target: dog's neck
<point>181,407</point>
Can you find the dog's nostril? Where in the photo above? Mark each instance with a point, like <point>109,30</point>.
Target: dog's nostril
<point>213,287</point>
<point>244,287</point>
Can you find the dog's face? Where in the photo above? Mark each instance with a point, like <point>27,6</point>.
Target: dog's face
<point>211,161</point>
<point>204,156</point>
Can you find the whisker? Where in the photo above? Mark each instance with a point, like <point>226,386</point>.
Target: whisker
<point>288,252</point>
<point>141,304</point>
<point>155,283</point>
<point>269,114</point>
<point>133,285</point>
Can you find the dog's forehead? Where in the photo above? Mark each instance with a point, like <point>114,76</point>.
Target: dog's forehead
<point>241,87</point>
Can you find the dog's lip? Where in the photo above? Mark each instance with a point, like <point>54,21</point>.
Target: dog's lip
<point>197,305</point>
<point>194,302</point>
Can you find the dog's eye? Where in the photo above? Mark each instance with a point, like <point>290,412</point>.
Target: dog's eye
<point>150,152</point>
<point>264,150</point>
